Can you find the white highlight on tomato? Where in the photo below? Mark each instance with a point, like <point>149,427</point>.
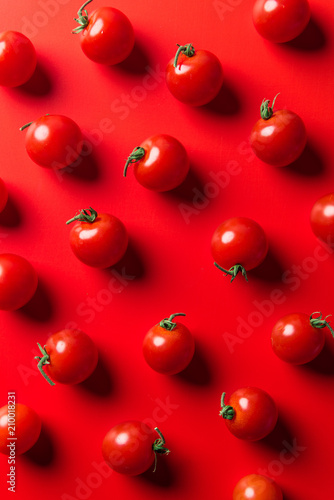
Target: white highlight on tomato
<point>243,402</point>
<point>3,421</point>
<point>97,27</point>
<point>270,5</point>
<point>249,492</point>
<point>41,133</point>
<point>267,131</point>
<point>158,341</point>
<point>153,156</point>
<point>86,234</point>
<point>60,347</point>
<point>2,47</point>
<point>288,330</point>
<point>329,211</point>
<point>227,236</point>
<point>122,438</point>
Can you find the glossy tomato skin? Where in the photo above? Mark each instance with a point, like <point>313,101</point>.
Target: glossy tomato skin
<point>257,487</point>
<point>280,140</point>
<point>73,356</point>
<point>239,240</point>
<point>168,351</point>
<point>27,428</point>
<point>281,20</point>
<point>101,243</point>
<point>18,282</point>
<point>295,340</point>
<point>165,164</point>
<point>196,80</point>
<point>3,195</point>
<point>255,414</point>
<point>128,448</point>
<point>322,219</point>
<point>17,59</point>
<point>53,141</point>
<point>109,37</point>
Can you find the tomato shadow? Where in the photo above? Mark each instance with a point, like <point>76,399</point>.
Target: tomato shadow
<point>163,477</point>
<point>198,371</point>
<point>85,168</point>
<point>131,263</point>
<point>10,216</point>
<point>323,364</point>
<point>191,188</point>
<point>136,63</point>
<point>279,436</point>
<point>309,164</point>
<point>100,381</point>
<point>39,84</point>
<point>40,307</point>
<point>227,102</point>
<point>313,38</point>
<point>270,270</point>
<point>43,451</point>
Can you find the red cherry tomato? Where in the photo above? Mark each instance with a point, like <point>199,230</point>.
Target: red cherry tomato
<point>322,219</point>
<point>18,281</point>
<point>107,35</point>
<point>281,20</point>
<point>169,346</point>
<point>68,357</point>
<point>17,59</point>
<point>160,163</point>
<point>98,240</point>
<point>298,338</point>
<point>279,137</point>
<point>24,423</point>
<point>131,448</point>
<point>257,487</point>
<point>251,413</point>
<point>3,195</point>
<point>194,76</point>
<point>53,141</point>
<point>238,244</point>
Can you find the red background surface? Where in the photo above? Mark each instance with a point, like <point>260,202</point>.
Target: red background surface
<point>168,267</point>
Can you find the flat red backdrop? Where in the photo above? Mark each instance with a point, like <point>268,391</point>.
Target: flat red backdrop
<point>168,267</point>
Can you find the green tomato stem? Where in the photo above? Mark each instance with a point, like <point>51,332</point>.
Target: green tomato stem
<point>43,360</point>
<point>233,271</point>
<point>82,19</point>
<point>84,215</point>
<point>226,411</point>
<point>188,50</point>
<point>26,126</point>
<point>321,323</point>
<point>168,324</point>
<point>267,111</point>
<point>159,447</point>
<point>136,155</point>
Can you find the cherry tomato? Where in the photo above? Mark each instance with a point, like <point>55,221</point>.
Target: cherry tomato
<point>98,240</point>
<point>257,487</point>
<point>53,141</point>
<point>281,20</point>
<point>279,137</point>
<point>17,59</point>
<point>3,195</point>
<point>68,357</point>
<point>238,245</point>
<point>24,423</point>
<point>322,219</point>
<point>107,35</point>
<point>194,76</point>
<point>169,346</point>
<point>160,163</point>
<point>251,413</point>
<point>298,338</point>
<point>130,448</point>
<point>18,281</point>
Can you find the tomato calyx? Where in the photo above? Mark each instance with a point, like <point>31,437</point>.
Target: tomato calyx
<point>226,411</point>
<point>43,360</point>
<point>136,155</point>
<point>168,323</point>
<point>86,215</point>
<point>267,111</point>
<point>233,271</point>
<point>83,19</point>
<point>188,50</point>
<point>321,323</point>
<point>159,447</point>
